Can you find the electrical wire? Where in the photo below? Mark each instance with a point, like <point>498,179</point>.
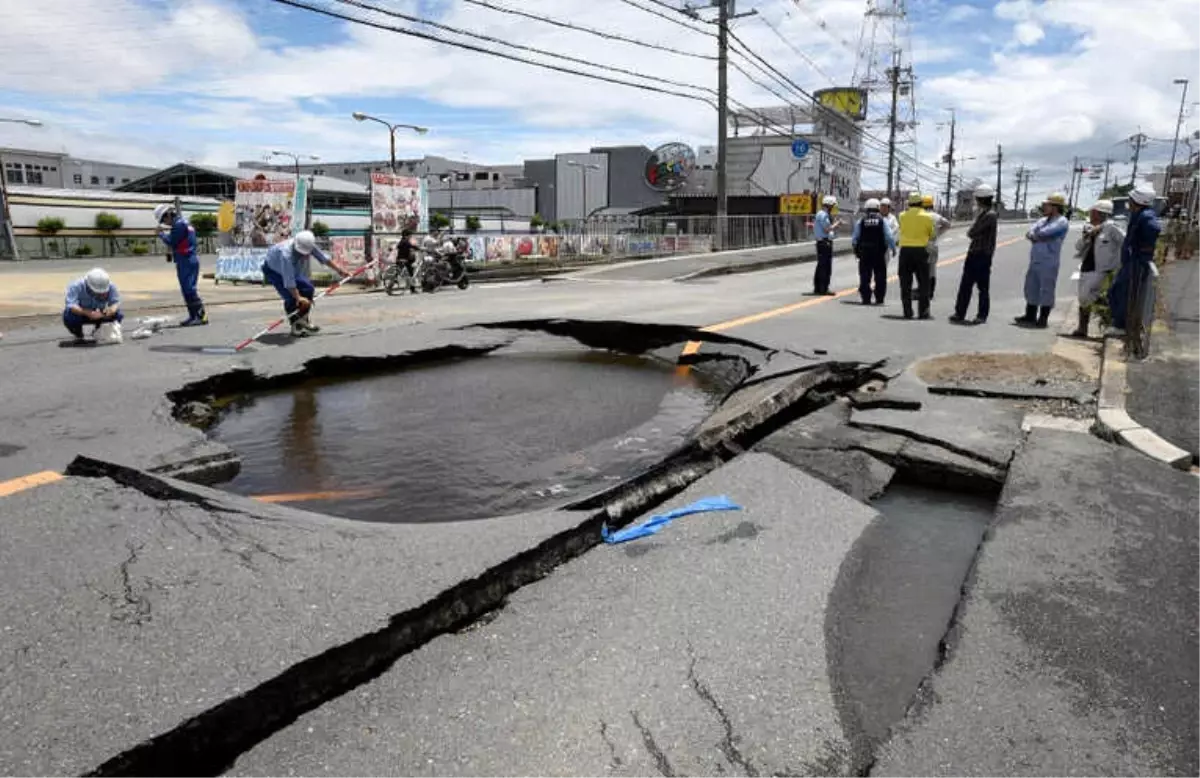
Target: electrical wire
<point>590,30</point>
<point>482,50</point>
<point>812,64</point>
<point>519,46</point>
<point>662,15</point>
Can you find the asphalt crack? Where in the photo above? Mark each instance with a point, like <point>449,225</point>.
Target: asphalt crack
<point>616,761</point>
<point>728,744</point>
<point>131,606</point>
<point>660,759</point>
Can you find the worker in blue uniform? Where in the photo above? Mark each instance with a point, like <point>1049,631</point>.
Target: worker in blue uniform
<point>872,240</point>
<point>181,238</point>
<point>1137,255</point>
<point>824,228</point>
<point>1042,276</point>
<point>283,268</point>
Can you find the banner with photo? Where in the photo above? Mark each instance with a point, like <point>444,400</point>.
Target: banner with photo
<point>398,203</point>
<point>350,253</point>
<point>240,263</point>
<point>500,248</point>
<point>266,212</point>
<point>477,245</point>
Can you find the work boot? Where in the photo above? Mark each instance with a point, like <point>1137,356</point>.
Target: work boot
<point>956,319</point>
<point>1029,317</point>
<point>1043,319</point>
<point>307,325</point>
<point>195,318</point>
<point>1084,319</point>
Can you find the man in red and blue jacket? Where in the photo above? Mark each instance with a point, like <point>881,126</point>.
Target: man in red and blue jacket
<point>181,238</point>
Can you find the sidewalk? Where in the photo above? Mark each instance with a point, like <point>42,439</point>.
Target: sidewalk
<point>1164,390</point>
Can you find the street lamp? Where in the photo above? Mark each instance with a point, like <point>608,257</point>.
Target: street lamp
<point>295,159</point>
<point>1175,144</point>
<point>449,177</point>
<point>584,167</point>
<point>359,116</point>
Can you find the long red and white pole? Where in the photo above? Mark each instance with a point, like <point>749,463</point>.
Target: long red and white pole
<point>327,290</point>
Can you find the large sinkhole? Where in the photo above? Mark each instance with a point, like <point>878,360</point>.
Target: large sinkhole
<point>465,439</point>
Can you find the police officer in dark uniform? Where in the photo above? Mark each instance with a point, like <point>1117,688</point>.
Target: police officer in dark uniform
<point>872,239</point>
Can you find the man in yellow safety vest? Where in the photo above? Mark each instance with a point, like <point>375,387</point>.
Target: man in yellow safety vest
<point>917,229</point>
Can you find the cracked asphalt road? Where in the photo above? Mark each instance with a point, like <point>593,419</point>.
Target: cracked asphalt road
<point>701,651</point>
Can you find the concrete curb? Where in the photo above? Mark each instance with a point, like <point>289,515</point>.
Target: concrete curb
<point>752,267</point>
<point>1114,423</point>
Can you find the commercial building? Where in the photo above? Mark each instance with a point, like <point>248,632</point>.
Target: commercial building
<point>54,170</point>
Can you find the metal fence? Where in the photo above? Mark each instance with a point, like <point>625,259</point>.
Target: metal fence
<point>740,232</point>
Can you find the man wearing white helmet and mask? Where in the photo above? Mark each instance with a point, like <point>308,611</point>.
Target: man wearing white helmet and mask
<point>1099,252</point>
<point>977,269</point>
<point>824,228</point>
<point>283,269</point>
<point>872,240</point>
<point>1137,253</point>
<point>181,238</point>
<point>93,300</point>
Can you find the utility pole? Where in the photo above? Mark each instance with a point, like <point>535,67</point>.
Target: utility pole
<point>1076,174</point>
<point>894,75</point>
<point>1016,203</point>
<point>950,163</point>
<point>999,164</point>
<point>1138,141</point>
<point>1175,143</point>
<point>1107,164</point>
<point>725,13</point>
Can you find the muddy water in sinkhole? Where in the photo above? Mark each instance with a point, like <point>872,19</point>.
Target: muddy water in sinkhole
<point>464,439</point>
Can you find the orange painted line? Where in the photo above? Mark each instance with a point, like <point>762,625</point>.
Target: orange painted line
<point>693,346</point>
<point>29,482</point>
<point>313,496</point>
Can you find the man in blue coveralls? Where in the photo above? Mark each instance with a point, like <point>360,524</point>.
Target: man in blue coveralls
<point>181,238</point>
<point>823,230</point>
<point>1137,254</point>
<point>283,269</point>
<point>94,300</point>
<point>1042,276</point>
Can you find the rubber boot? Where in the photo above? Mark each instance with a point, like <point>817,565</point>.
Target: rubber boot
<point>1043,319</point>
<point>1084,319</point>
<point>1029,317</point>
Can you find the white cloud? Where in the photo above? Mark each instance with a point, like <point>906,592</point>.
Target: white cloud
<point>1028,33</point>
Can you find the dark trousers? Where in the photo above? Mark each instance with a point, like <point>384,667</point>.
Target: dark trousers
<point>187,270</point>
<point>303,286</point>
<point>1131,274</point>
<point>74,322</point>
<point>872,266</point>
<point>914,264</point>
<point>977,272</point>
<point>824,269</point>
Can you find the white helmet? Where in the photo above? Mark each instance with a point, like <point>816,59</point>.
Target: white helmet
<point>448,247</point>
<point>984,191</point>
<point>160,212</point>
<point>872,204</point>
<point>886,201</point>
<point>829,200</point>
<point>304,242</point>
<point>1142,194</point>
<point>428,243</point>
<point>97,281</point>
<point>1103,206</point>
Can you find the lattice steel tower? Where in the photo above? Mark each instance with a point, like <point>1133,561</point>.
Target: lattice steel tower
<point>883,68</point>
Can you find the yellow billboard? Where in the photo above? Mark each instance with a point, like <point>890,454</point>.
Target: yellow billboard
<point>796,204</point>
<point>844,99</point>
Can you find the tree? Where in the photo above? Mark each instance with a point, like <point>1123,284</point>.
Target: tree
<point>49,225</point>
<point>472,223</point>
<point>108,223</point>
<point>205,224</point>
<point>320,229</point>
<point>536,222</point>
<point>438,221</point>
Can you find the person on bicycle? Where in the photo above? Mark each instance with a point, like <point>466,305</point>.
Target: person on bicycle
<point>406,255</point>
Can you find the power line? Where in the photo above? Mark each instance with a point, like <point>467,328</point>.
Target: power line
<point>518,46</point>
<point>590,30</point>
<point>662,15</point>
<point>798,52</point>
<point>481,50</point>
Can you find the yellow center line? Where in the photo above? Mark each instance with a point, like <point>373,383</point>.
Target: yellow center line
<point>313,496</point>
<point>693,346</point>
<point>28,482</point>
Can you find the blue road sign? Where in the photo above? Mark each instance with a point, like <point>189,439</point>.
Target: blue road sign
<point>799,148</point>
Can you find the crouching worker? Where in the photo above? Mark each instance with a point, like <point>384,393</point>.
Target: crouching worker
<point>283,269</point>
<point>93,300</point>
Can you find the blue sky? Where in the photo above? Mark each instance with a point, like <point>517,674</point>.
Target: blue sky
<point>154,82</point>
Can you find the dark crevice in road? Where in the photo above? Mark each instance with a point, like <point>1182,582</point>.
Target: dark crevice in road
<point>661,762</point>
<point>932,441</point>
<point>210,742</point>
<point>615,762</point>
